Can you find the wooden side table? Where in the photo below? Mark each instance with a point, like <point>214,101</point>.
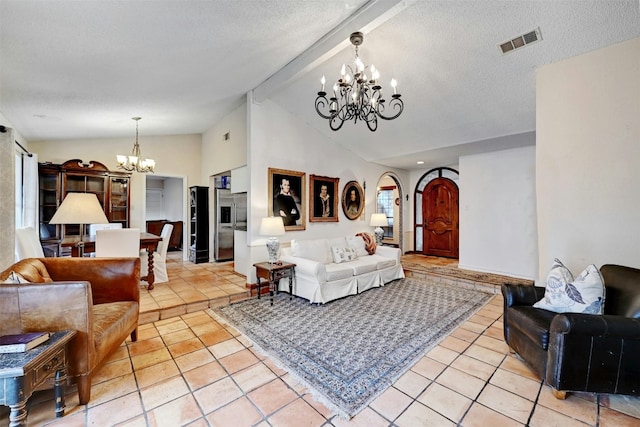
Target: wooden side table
<point>22,373</point>
<point>273,273</point>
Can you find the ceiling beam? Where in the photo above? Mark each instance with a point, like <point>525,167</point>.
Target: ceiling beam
<point>371,15</point>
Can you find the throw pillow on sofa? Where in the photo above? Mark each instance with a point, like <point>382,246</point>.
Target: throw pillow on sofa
<point>564,294</point>
<point>369,242</point>
<point>343,254</point>
<point>315,250</point>
<point>357,244</point>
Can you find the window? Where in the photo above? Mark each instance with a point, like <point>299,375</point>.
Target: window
<point>385,204</point>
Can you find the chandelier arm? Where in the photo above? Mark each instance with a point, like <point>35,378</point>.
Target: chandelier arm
<point>395,103</point>
<point>323,103</point>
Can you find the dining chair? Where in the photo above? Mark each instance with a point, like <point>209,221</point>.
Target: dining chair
<point>159,257</point>
<point>110,226</point>
<point>116,243</point>
<point>28,244</point>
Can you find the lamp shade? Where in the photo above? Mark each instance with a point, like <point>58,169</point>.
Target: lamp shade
<point>378,220</point>
<point>272,226</point>
<point>80,208</point>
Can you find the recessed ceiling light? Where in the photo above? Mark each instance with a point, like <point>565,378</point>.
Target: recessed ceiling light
<point>420,162</point>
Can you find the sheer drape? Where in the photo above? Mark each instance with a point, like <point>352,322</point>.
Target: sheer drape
<point>30,191</point>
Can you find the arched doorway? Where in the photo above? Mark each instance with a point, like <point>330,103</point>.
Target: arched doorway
<point>436,213</point>
<point>389,196</point>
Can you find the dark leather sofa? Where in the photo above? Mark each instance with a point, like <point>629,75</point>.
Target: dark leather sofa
<point>580,352</point>
<point>99,298</point>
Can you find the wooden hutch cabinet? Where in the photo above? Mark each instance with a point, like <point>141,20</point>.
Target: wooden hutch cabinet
<point>73,176</point>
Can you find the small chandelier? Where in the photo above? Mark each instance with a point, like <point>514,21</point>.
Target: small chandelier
<point>134,162</point>
<point>356,96</point>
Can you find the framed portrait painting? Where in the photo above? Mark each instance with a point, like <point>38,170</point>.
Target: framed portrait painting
<point>323,200</point>
<point>352,200</point>
<point>287,198</point>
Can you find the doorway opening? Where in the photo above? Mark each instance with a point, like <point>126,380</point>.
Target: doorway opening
<point>389,200</point>
<point>436,214</point>
<point>165,202</point>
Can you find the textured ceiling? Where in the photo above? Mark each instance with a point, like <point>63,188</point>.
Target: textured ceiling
<point>74,69</point>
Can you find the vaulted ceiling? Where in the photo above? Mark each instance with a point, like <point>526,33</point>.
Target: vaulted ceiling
<point>81,69</point>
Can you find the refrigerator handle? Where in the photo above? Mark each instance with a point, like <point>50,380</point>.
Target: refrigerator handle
<point>235,215</point>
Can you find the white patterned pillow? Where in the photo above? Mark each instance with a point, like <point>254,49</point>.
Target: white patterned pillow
<point>343,254</point>
<point>15,279</point>
<point>564,294</point>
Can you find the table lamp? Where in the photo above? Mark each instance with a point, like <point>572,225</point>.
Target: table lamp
<point>379,220</point>
<point>80,208</point>
<point>272,226</point>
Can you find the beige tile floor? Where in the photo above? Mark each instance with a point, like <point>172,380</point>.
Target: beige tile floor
<point>190,368</point>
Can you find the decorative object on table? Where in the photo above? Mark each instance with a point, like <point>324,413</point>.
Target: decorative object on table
<point>329,347</point>
<point>134,162</point>
<point>323,199</point>
<point>80,208</point>
<point>357,96</point>
<point>287,197</point>
<point>352,200</point>
<point>19,343</point>
<point>379,220</point>
<point>272,226</point>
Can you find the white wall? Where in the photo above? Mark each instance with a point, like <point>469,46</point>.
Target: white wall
<point>588,157</point>
<point>498,213</point>
<point>279,140</point>
<point>175,155</point>
<point>219,155</point>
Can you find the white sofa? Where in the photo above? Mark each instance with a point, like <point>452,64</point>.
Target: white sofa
<point>319,279</point>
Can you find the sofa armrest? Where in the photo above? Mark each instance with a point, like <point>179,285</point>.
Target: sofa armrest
<point>52,307</point>
<point>595,325</point>
<point>388,252</point>
<point>521,294</point>
<point>112,279</point>
<point>308,268</point>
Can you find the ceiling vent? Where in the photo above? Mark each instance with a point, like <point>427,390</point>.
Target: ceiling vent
<point>520,41</point>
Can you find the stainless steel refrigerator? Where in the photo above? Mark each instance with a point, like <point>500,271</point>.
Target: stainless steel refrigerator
<point>230,215</point>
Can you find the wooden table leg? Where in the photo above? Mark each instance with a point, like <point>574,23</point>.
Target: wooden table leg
<point>18,414</point>
<point>151,277</point>
<point>58,391</point>
<point>258,283</point>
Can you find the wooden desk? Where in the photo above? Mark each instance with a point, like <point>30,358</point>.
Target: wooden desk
<point>273,273</point>
<point>22,373</point>
<point>148,241</point>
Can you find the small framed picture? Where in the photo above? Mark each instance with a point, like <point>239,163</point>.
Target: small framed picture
<point>287,198</point>
<point>323,200</point>
<point>352,200</point>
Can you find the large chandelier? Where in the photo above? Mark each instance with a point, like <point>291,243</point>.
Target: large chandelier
<point>135,162</point>
<point>357,96</point>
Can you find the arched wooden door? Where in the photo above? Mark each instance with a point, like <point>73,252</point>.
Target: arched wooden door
<point>440,213</point>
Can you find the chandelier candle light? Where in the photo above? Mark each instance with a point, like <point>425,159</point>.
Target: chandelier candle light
<point>357,96</point>
<point>134,162</point>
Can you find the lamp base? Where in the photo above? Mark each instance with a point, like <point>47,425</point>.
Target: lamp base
<point>273,246</point>
<point>379,232</point>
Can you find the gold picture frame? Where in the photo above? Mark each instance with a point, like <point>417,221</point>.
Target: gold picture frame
<point>352,200</point>
<point>323,199</point>
<point>289,203</point>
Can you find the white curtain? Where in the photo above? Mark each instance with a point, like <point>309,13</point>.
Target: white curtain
<point>30,191</point>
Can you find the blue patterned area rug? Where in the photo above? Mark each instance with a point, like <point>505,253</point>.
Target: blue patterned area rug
<point>350,350</point>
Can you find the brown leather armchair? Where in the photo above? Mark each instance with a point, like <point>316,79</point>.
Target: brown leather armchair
<point>98,298</point>
<point>580,352</point>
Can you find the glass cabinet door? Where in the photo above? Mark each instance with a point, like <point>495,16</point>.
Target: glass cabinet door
<point>119,200</point>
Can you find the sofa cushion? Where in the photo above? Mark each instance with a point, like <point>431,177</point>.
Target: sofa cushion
<point>315,250</point>
<point>532,323</point>
<point>338,271</point>
<point>584,294</point>
<point>341,254</point>
<point>363,265</point>
<point>112,321</point>
<point>382,262</point>
<point>357,244</point>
